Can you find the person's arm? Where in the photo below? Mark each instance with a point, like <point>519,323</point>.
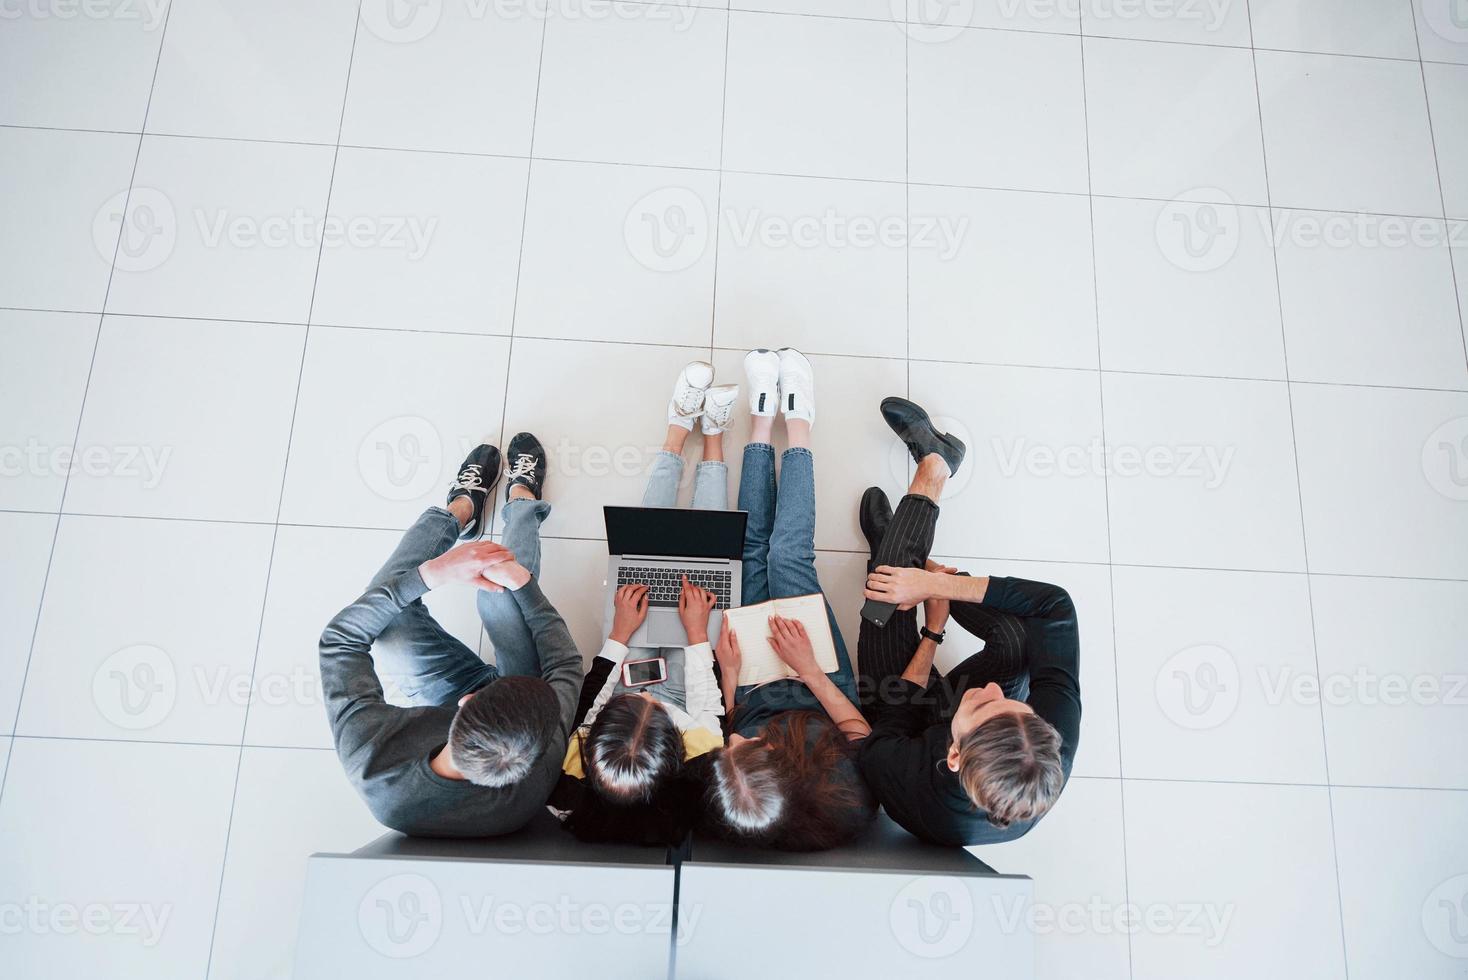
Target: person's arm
<point>629,609</point>
<point>730,660</point>
<point>591,686</point>
<point>349,683</point>
<point>792,644</point>
<point>560,661</point>
<point>613,652</point>
<point>702,699</point>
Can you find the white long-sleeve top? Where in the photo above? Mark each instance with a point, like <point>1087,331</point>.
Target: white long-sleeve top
<point>703,701</point>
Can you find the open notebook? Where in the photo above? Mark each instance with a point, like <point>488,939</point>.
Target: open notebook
<point>758,661</point>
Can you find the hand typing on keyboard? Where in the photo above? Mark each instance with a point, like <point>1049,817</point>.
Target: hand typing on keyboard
<point>665,585</point>
<point>694,606</point>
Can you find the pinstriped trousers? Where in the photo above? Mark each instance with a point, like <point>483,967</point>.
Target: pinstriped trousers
<point>883,652</point>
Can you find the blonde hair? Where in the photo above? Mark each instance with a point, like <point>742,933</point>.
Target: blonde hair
<point>1010,767</point>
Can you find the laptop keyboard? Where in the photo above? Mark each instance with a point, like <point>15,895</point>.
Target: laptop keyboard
<point>664,584</point>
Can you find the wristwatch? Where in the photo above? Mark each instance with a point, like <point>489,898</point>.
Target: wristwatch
<point>935,637</point>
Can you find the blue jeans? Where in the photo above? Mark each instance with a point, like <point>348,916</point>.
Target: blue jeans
<point>428,664</point>
<point>780,553</point>
<point>710,483</point>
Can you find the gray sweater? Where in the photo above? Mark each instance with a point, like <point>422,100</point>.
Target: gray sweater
<point>385,749</point>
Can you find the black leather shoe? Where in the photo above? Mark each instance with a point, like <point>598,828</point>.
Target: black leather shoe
<point>913,427</point>
<point>874,514</point>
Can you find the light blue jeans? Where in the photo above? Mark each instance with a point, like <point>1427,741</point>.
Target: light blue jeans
<point>427,662</point>
<point>780,550</point>
<point>710,483</point>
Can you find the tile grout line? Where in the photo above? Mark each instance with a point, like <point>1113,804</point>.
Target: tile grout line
<point>280,500</point>
<point>1300,502</point>
<point>1441,193</point>
<point>715,225</point>
<point>82,409</point>
<point>1126,872</point>
<point>490,530</point>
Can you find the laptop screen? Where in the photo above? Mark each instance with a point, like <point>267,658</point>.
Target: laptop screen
<point>676,532</point>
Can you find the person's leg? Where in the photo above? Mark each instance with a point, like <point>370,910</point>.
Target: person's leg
<point>515,652</point>
<point>711,478</point>
<point>416,655</point>
<point>757,498</point>
<point>666,474</point>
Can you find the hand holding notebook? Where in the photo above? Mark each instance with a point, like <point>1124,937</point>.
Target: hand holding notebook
<point>759,661</point>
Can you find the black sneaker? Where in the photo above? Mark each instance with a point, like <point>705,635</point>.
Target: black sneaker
<point>874,514</point>
<point>527,464</point>
<point>477,477</point>
<point>913,427</point>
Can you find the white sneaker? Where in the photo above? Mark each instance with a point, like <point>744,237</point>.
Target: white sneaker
<point>718,408</point>
<point>797,386</point>
<point>762,368</point>
<point>686,405</point>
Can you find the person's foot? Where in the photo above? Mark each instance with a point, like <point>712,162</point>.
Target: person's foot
<point>797,387</point>
<point>874,514</point>
<point>688,393</point>
<point>718,408</point>
<point>477,477</point>
<point>527,465</point>
<point>913,427</point>
<point>762,369</point>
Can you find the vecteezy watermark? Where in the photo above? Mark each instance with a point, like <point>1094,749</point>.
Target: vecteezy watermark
<point>1445,459</point>
<point>139,921</point>
<point>140,230</point>
<point>1198,688</point>
<point>932,917</point>
<point>148,12</point>
<point>935,21</point>
<point>1445,917</point>
<point>401,458</point>
<point>1198,231</point>
<point>1448,19</point>
<point>136,687</point>
<point>401,917</point>
<point>1362,687</point>
<point>405,915</point>
<point>408,21</point>
<point>1098,917</point>
<point>145,464</point>
<point>1207,465</point>
<point>668,230</point>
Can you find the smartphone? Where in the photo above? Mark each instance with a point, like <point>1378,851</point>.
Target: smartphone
<point>644,673</point>
<point>876,612</point>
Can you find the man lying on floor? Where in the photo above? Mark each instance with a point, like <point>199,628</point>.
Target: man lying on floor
<point>479,749</point>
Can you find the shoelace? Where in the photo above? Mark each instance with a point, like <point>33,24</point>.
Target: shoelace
<point>690,402</point>
<point>470,478</point>
<point>524,467</point>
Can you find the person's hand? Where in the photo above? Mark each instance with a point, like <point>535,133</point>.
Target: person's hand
<point>727,652</point>
<point>791,644</point>
<point>903,587</point>
<point>935,609</point>
<point>470,564</point>
<point>629,609</point>
<point>694,606</point>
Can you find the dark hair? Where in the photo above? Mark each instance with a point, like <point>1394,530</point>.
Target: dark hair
<point>795,787</point>
<point>1010,767</point>
<point>633,747</point>
<point>504,727</point>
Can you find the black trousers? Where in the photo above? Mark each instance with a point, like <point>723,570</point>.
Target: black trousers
<point>883,652</point>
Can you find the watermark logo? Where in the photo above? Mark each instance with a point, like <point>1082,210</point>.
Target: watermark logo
<point>1197,233</point>
<point>142,237</point>
<point>128,920</point>
<point>1445,917</point>
<point>136,687</point>
<point>1098,917</point>
<point>932,917</point>
<point>401,21</point>
<point>1198,688</point>
<point>667,230</point>
<point>402,916</point>
<point>401,459</point>
<point>149,12</point>
<point>1445,459</point>
<point>1448,19</point>
<point>932,21</point>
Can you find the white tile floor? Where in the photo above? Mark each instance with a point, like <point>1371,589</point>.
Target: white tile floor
<point>1189,277</point>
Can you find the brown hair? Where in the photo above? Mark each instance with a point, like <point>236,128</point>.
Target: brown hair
<point>796,788</point>
<point>1010,767</point>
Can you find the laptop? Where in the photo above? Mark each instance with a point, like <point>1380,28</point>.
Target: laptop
<point>656,547</point>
